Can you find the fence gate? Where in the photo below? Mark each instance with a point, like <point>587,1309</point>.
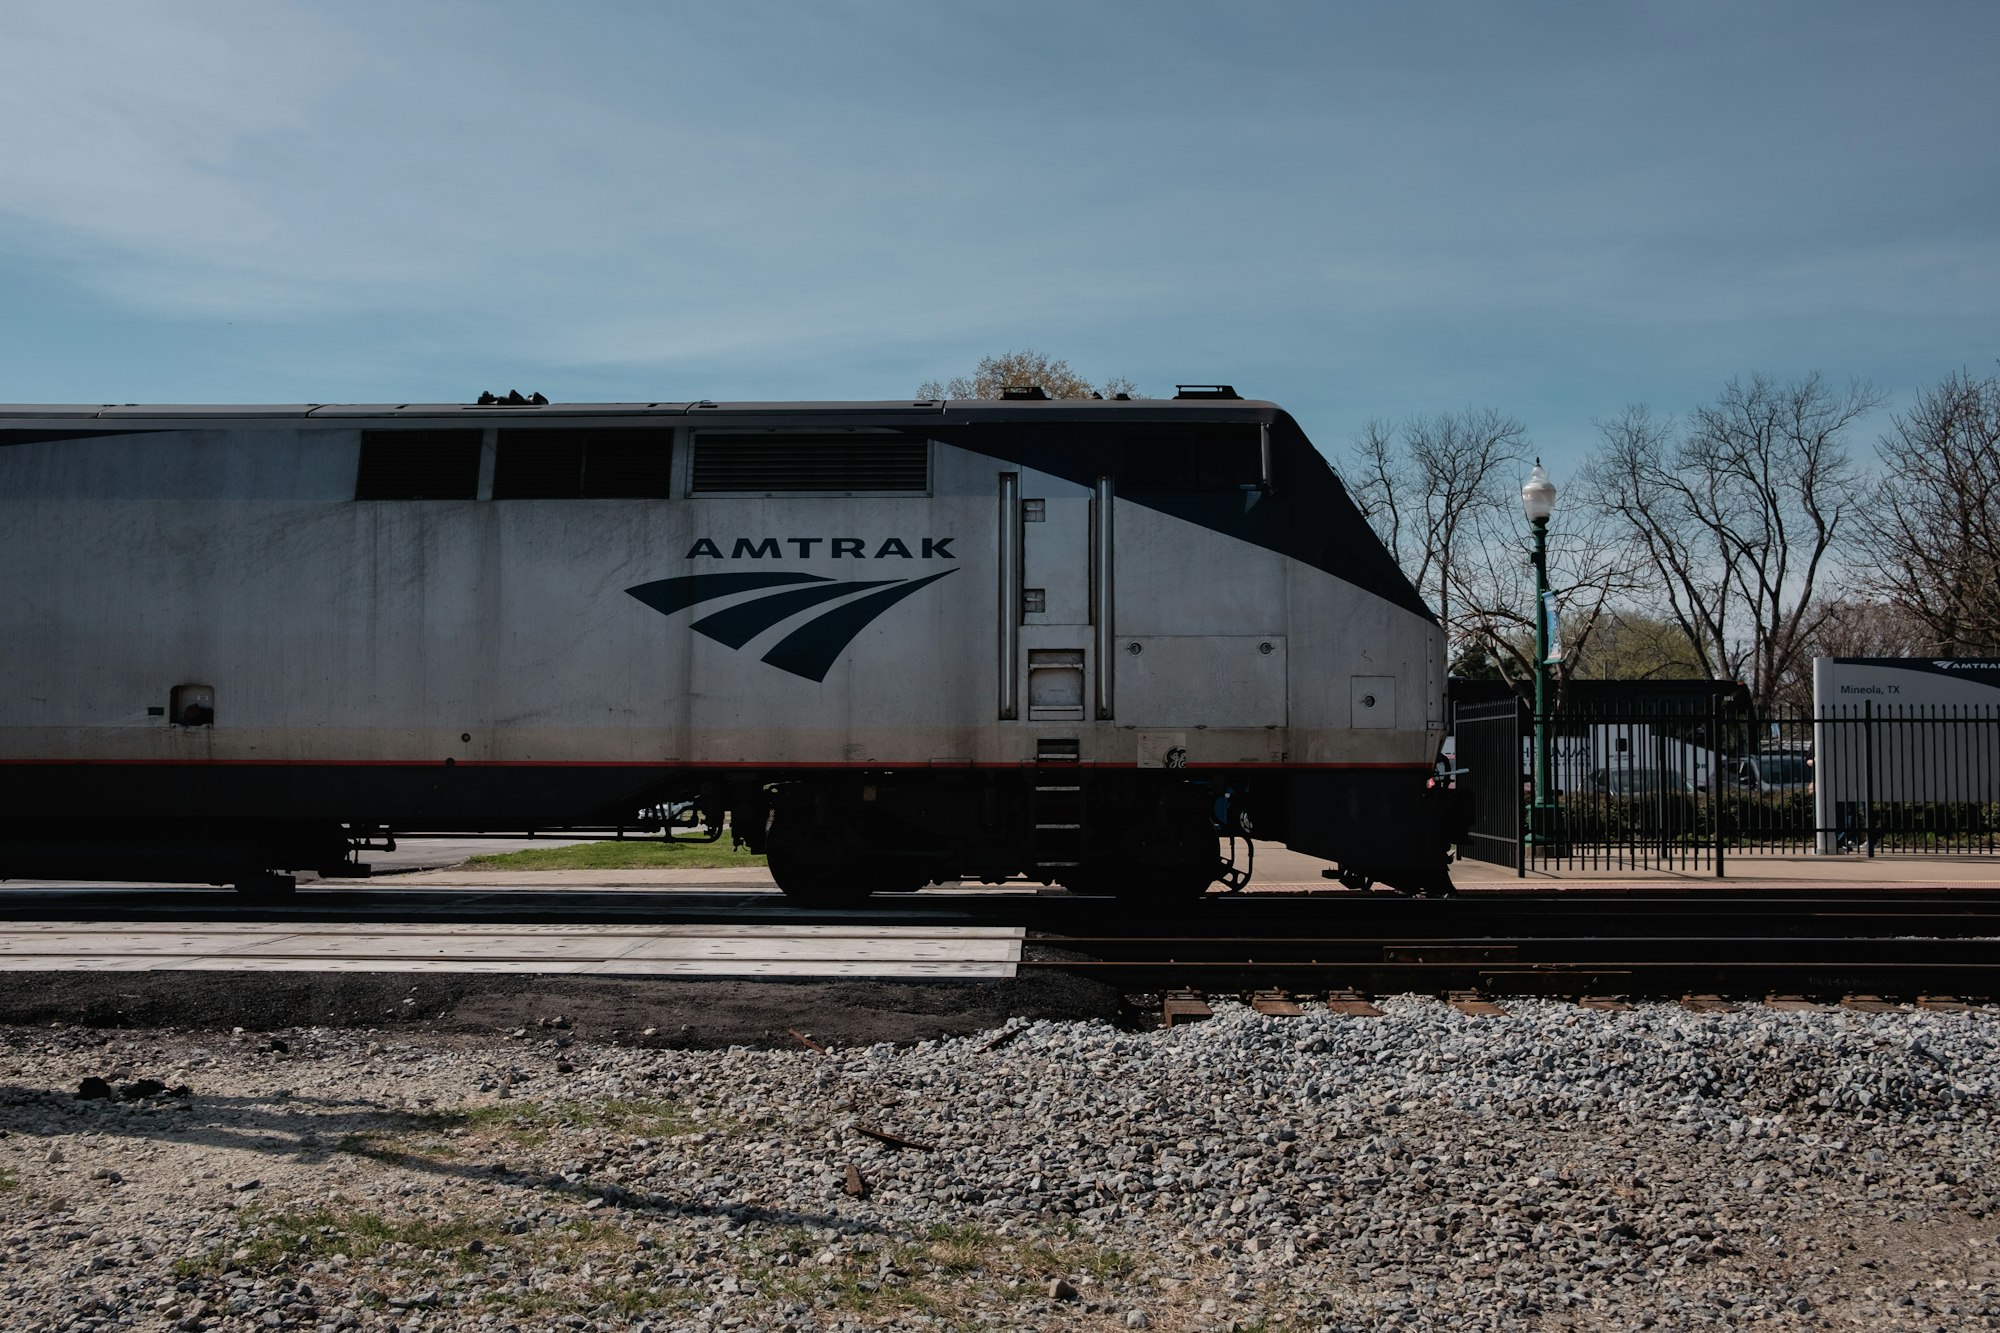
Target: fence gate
<point>1641,788</point>
<point>1489,753</point>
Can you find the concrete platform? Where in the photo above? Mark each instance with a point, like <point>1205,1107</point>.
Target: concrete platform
<point>960,952</point>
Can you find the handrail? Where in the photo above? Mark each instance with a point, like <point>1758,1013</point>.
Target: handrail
<point>1010,594</point>
<point>1101,601</point>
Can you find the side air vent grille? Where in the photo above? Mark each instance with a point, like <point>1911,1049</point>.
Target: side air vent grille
<point>418,465</point>
<point>834,464</point>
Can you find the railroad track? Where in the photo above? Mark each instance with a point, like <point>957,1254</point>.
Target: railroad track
<point>1829,943</point>
<point>1322,915</point>
<point>1577,965</point>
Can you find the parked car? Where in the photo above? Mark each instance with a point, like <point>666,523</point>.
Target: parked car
<point>1776,770</point>
<point>1638,781</point>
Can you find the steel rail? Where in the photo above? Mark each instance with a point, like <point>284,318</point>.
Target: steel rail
<point>1081,921</point>
<point>1903,965</point>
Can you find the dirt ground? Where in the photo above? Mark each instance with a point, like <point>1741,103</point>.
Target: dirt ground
<point>697,1015</point>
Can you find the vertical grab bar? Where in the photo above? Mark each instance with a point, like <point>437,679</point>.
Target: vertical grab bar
<point>1101,592</point>
<point>1010,594</point>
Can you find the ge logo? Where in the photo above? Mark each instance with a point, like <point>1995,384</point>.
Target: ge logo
<point>1176,757</point>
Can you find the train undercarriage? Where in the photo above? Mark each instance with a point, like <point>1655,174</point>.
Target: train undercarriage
<point>1145,836</point>
<point>836,836</point>
<point>833,840</point>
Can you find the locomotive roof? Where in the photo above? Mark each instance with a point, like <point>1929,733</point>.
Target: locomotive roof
<point>1323,528</point>
<point>957,410</point>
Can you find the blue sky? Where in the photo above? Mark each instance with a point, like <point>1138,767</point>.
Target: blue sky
<point>1554,209</point>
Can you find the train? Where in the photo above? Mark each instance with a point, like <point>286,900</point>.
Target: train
<point>883,643</point>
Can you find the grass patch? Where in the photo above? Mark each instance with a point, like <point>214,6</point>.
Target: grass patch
<point>627,1302</point>
<point>268,1238</point>
<point>642,1118</point>
<point>417,1249</point>
<point>623,856</point>
<point>943,1271</point>
<point>596,1266</point>
<point>8,1180</point>
<point>956,1249</point>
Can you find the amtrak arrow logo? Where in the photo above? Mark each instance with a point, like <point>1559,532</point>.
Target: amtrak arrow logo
<point>809,650</point>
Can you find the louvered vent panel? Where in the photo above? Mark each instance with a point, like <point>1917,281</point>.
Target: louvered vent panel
<point>834,463</point>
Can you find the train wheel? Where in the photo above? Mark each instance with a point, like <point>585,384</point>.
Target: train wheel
<point>818,886</point>
<point>810,873</point>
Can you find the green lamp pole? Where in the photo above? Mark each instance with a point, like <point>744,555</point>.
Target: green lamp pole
<point>1538,501</point>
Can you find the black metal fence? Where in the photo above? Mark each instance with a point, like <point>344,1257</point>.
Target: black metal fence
<point>1488,740</point>
<point>1686,788</point>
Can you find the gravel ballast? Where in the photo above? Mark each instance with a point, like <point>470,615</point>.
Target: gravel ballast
<point>1553,1168</point>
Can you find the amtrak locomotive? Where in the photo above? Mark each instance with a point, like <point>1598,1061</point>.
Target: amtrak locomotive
<point>889,642</point>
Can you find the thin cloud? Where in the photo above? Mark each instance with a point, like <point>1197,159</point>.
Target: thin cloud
<point>1351,210</point>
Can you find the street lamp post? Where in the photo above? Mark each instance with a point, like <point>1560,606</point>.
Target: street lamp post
<point>1538,501</point>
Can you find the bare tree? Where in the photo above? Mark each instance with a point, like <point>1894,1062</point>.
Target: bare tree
<point>1021,369</point>
<point>1378,481</point>
<point>1590,570</point>
<point>1934,529</point>
<point>1739,518</point>
<point>1442,492</point>
<point>1627,479</point>
<point>1858,627</point>
<point>1432,489</point>
<point>1853,627</point>
<point>1632,645</point>
<point>1606,642</point>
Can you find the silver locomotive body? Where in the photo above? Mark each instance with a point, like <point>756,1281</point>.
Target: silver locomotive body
<point>893,642</point>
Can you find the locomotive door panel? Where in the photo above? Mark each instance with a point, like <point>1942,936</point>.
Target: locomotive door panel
<point>1207,680</point>
<point>1055,559</point>
<point>1049,650</point>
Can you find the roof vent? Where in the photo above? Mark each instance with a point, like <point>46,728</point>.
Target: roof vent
<point>513,399</point>
<point>1206,391</point>
<point>827,462</point>
<point>1032,393</point>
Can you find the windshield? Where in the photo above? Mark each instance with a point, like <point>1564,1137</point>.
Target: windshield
<point>1784,769</point>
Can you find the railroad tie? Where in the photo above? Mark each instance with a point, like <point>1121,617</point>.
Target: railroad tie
<point>1474,1005</point>
<point>1350,1003</point>
<point>1183,1006</point>
<point>1275,1004</point>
